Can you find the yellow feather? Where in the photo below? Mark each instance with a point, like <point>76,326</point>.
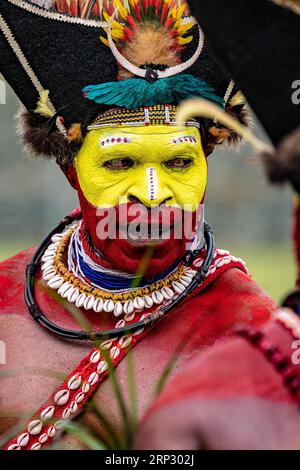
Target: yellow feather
<point>122,10</point>
<point>184,28</point>
<point>180,11</point>
<point>238,99</point>
<point>115,23</point>
<point>106,16</point>
<point>173,12</point>
<point>182,41</point>
<point>104,40</point>
<point>117,34</point>
<point>42,107</point>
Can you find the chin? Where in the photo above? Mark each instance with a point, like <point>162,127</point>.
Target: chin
<point>129,254</point>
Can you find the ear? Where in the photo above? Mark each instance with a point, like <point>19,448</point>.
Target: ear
<point>71,175</point>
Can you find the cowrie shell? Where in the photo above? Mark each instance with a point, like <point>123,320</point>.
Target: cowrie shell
<point>167,293</point>
<point>198,263</point>
<point>118,310</point>
<point>93,378</point>
<point>80,300</point>
<point>73,294</point>
<point>68,292</point>
<point>95,357</point>
<point>223,252</point>
<point>108,306</point>
<point>89,302</point>
<point>66,413</point>
<point>79,397</point>
<point>86,387</point>
<point>63,290</point>
<point>184,282</point>
<point>114,352</point>
<point>52,247</point>
<point>35,427</point>
<point>43,438</point>
<point>120,324</point>
<point>190,272</point>
<point>221,263</point>
<point>139,303</point>
<point>49,269</point>
<point>98,305</point>
<point>128,307</point>
<point>51,431</point>
<point>102,367</point>
<point>49,274</point>
<point>48,257</point>
<point>47,413</point>
<point>125,341</point>
<point>36,446</point>
<point>186,279</point>
<point>14,447</point>
<point>61,397</point>
<point>129,317</point>
<point>74,382</point>
<point>178,287</point>
<point>47,265</point>
<point>55,282</point>
<point>157,297</point>
<point>148,301</point>
<point>106,344</point>
<point>73,407</point>
<point>23,439</point>
<point>57,237</point>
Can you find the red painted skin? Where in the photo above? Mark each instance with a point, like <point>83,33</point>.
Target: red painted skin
<point>228,397</point>
<point>38,358</point>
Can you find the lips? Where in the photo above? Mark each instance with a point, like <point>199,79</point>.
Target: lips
<point>144,233</point>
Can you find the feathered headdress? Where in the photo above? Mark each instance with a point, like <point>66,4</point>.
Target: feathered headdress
<point>77,59</point>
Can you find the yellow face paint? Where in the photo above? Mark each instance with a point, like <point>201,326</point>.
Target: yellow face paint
<point>155,164</point>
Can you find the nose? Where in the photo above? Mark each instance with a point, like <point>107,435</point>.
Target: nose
<point>150,190</point>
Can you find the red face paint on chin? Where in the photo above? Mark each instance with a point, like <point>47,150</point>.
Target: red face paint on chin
<point>127,254</point>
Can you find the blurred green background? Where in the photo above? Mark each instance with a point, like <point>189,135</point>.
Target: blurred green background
<point>248,216</point>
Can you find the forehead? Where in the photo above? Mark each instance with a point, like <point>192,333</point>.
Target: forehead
<point>153,135</point>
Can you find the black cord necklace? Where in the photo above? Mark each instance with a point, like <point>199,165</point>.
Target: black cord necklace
<point>42,320</point>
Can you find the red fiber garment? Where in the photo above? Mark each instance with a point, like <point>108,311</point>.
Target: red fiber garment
<point>228,298</point>
<point>229,397</point>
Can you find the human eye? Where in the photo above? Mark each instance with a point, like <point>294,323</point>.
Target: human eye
<point>178,163</point>
<point>119,163</point>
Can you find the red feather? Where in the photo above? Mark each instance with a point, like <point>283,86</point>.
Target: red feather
<point>145,4</point>
<point>128,33</point>
<point>74,7</point>
<point>96,9</point>
<point>66,7</point>
<point>170,22</point>
<point>158,6</point>
<point>137,11</point>
<point>163,13</point>
<point>131,21</point>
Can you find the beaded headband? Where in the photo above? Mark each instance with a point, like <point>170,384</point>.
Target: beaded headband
<point>145,116</point>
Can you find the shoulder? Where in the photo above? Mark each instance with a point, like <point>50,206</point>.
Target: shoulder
<point>16,262</point>
<point>12,280</point>
<point>235,297</point>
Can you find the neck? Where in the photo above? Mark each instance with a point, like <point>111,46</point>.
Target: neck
<point>147,262</point>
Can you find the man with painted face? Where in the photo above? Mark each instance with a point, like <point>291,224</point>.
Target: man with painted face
<point>136,266</point>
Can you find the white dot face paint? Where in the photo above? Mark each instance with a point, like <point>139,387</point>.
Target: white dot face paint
<point>152,183</point>
<point>114,140</point>
<point>185,139</point>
